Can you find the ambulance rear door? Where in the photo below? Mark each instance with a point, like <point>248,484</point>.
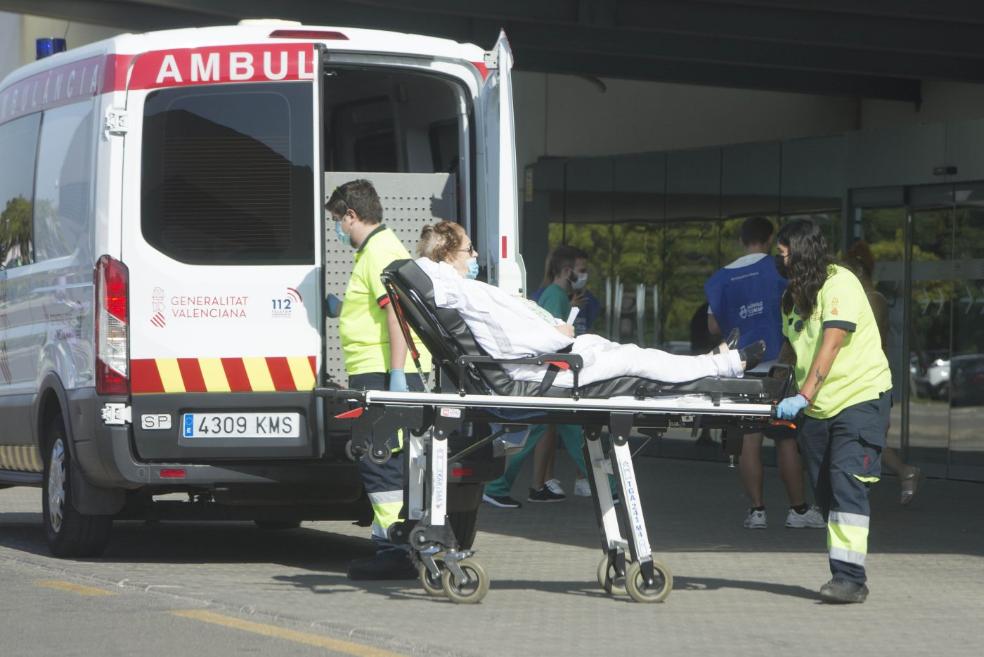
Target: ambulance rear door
<point>222,216</point>
<point>499,203</point>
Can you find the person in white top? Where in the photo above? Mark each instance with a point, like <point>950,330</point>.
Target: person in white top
<point>508,326</point>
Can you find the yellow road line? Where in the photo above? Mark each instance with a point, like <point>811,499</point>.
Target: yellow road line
<point>316,640</point>
<point>72,588</point>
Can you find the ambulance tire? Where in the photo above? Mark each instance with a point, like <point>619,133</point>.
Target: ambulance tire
<point>465,526</point>
<point>277,525</point>
<point>70,534</point>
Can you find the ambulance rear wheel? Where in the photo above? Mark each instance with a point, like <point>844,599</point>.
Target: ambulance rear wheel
<point>617,583</point>
<point>465,526</point>
<point>472,589</point>
<point>642,591</point>
<point>68,532</point>
<point>432,585</point>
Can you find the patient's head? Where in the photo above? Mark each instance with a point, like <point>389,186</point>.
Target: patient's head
<point>447,242</point>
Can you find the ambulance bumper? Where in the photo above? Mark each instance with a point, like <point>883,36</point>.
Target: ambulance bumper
<point>109,456</point>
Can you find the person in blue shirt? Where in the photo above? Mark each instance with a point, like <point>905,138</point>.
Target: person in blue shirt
<point>746,295</point>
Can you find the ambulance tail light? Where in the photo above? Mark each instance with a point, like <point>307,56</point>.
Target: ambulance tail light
<point>112,332</point>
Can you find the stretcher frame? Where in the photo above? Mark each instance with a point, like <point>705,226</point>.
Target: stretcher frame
<point>627,565</point>
<point>432,418</point>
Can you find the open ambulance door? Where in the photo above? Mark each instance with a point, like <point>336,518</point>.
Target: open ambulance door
<point>499,207</point>
<point>222,240</point>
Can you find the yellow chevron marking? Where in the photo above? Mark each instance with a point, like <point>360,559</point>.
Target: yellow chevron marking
<point>258,373</point>
<point>214,375</point>
<point>304,638</point>
<point>24,458</point>
<point>300,369</point>
<point>170,374</point>
<point>72,588</point>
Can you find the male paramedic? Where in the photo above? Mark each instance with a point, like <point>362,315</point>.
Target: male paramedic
<point>376,358</point>
<point>845,396</point>
<point>745,296</point>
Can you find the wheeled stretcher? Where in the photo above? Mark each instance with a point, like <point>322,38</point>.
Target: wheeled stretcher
<point>478,390</point>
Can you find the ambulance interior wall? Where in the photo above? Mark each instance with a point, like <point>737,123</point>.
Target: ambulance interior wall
<point>385,121</point>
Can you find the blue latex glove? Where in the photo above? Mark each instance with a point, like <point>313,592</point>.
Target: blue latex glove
<point>398,381</point>
<point>333,306</point>
<point>790,407</point>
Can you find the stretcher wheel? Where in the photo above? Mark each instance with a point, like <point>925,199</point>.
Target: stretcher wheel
<point>618,583</point>
<point>470,591</point>
<point>640,591</point>
<point>432,585</point>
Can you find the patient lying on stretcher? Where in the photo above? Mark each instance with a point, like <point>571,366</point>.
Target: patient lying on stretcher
<point>507,326</point>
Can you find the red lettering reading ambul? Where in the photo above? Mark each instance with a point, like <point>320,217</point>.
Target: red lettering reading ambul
<point>245,63</point>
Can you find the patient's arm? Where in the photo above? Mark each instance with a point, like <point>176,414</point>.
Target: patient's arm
<point>566,329</point>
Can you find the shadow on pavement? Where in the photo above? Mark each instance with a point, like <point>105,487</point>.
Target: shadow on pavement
<point>693,506</point>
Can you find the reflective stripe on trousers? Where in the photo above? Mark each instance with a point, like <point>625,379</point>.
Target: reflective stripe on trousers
<point>847,537</point>
<point>386,506</point>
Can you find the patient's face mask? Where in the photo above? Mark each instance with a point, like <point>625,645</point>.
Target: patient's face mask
<point>580,280</point>
<point>472,265</point>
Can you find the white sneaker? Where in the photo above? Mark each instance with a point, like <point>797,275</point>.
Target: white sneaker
<point>755,520</point>
<point>582,488</point>
<point>809,518</point>
<point>554,486</point>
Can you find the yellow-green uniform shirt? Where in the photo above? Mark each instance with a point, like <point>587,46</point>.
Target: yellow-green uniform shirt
<point>860,371</point>
<point>362,324</point>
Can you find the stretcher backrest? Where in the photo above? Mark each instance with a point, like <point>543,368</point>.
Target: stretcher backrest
<point>442,331</point>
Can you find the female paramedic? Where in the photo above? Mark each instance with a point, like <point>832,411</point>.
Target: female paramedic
<point>507,326</point>
<point>844,396</point>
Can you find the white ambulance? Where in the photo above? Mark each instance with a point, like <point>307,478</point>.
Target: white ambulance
<point>163,265</point>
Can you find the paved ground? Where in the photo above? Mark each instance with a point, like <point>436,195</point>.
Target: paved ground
<point>737,592</point>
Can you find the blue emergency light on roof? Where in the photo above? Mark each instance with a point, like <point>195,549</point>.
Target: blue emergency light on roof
<point>47,46</point>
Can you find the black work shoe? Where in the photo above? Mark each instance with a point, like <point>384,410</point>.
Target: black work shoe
<point>752,354</point>
<point>545,495</point>
<point>501,501</point>
<point>842,591</point>
<point>385,564</point>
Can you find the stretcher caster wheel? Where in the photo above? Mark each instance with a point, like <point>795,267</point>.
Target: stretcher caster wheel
<point>617,585</point>
<point>432,585</point>
<point>470,591</point>
<point>642,591</point>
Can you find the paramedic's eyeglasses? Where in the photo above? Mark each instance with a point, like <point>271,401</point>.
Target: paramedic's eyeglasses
<point>470,250</point>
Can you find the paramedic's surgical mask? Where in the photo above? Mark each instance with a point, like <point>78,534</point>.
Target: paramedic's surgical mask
<point>343,237</point>
<point>580,281</point>
<point>472,268</point>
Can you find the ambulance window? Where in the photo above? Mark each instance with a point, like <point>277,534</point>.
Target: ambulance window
<point>19,145</point>
<point>62,208</point>
<point>227,174</point>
